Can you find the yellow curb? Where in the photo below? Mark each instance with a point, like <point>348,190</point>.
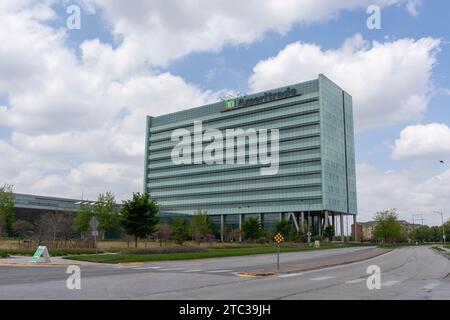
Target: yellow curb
<point>255,275</point>
<point>135,264</point>
<point>31,264</point>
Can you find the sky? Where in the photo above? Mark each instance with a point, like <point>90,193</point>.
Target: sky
<point>73,101</point>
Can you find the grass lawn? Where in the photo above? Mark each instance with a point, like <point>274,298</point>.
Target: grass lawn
<point>210,253</point>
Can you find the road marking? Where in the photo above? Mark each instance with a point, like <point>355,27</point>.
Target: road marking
<point>290,275</point>
<point>170,269</point>
<point>146,268</point>
<point>322,278</point>
<point>218,271</point>
<point>430,286</point>
<point>389,283</point>
<point>355,281</point>
<point>197,270</point>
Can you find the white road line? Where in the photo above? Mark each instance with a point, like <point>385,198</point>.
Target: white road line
<point>430,286</point>
<point>170,269</point>
<point>146,268</point>
<point>197,270</point>
<point>389,283</point>
<point>355,281</point>
<point>288,275</point>
<point>322,278</point>
<point>218,271</point>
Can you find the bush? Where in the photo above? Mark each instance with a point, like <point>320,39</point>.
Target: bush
<point>3,255</point>
<point>160,250</point>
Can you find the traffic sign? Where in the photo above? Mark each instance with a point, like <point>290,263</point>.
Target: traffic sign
<point>278,238</point>
<point>93,224</point>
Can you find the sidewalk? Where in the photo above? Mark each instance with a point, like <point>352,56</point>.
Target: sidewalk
<point>299,267</point>
<point>24,261</point>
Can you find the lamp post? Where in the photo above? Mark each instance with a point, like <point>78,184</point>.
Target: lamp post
<point>443,229</point>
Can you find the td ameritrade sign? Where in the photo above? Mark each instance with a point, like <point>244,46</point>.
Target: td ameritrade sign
<point>245,101</point>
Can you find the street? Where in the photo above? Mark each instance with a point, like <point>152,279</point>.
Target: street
<point>406,273</point>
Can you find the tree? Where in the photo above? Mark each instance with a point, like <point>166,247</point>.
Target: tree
<point>55,225</point>
<point>83,217</point>
<point>179,230</point>
<point>7,202</point>
<point>234,234</point>
<point>199,226</point>
<point>139,216</point>
<point>285,228</point>
<point>328,232</point>
<point>421,234</point>
<point>106,213</point>
<point>387,228</point>
<point>23,229</point>
<point>251,228</point>
<point>436,234</point>
<point>162,233</point>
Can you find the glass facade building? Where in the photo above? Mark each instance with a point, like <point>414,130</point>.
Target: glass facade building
<point>315,182</point>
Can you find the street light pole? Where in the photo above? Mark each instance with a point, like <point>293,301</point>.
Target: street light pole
<point>443,229</point>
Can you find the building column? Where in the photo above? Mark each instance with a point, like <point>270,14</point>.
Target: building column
<point>355,227</point>
<point>333,222</point>
<point>261,217</point>
<point>240,227</point>
<point>302,221</point>
<point>326,219</point>
<point>280,216</point>
<point>222,222</point>
<point>319,223</point>
<point>342,227</point>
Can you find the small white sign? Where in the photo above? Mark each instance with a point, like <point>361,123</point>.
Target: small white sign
<point>317,243</point>
<point>95,233</point>
<point>41,251</point>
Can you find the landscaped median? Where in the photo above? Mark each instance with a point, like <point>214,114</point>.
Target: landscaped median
<point>4,253</point>
<point>190,253</point>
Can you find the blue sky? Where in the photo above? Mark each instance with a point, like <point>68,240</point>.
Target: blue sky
<point>123,54</point>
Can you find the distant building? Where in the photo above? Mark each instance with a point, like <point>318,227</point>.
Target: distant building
<point>366,229</point>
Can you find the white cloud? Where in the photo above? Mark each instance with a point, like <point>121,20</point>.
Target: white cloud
<point>423,141</point>
<point>381,190</point>
<point>413,7</point>
<point>161,31</point>
<point>390,82</point>
<point>69,116</point>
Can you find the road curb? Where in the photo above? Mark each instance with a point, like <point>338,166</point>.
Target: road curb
<point>255,275</point>
<point>31,264</point>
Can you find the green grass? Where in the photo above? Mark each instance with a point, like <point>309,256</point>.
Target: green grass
<point>210,253</point>
<point>3,255</point>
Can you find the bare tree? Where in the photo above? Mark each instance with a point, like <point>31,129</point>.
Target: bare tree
<point>54,226</point>
<point>162,233</point>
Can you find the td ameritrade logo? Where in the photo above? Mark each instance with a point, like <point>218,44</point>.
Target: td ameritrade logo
<point>263,98</point>
<point>231,146</point>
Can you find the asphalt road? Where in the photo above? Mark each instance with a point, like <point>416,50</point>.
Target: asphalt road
<point>406,273</point>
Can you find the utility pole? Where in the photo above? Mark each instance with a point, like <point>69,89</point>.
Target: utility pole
<point>443,230</point>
